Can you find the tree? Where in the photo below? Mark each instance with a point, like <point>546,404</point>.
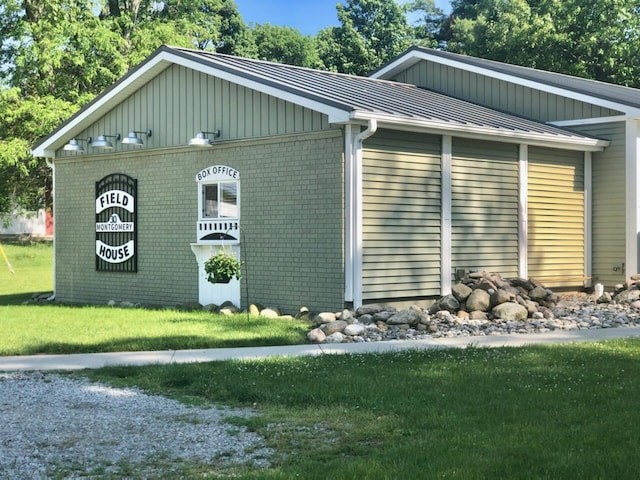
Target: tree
<point>371,33</point>
<point>58,54</point>
<point>285,45</point>
<point>426,30</point>
<point>23,178</point>
<point>598,39</point>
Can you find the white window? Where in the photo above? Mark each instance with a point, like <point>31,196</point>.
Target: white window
<point>220,200</point>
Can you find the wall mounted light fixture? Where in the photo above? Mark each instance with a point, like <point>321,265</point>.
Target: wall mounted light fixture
<point>202,140</point>
<point>133,139</point>
<point>103,143</point>
<point>74,146</point>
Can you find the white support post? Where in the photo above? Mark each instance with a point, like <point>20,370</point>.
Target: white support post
<point>523,211</point>
<point>349,213</point>
<point>446,267</point>
<point>632,197</point>
<point>588,250</point>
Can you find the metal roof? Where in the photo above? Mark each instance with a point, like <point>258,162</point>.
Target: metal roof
<point>366,97</point>
<point>344,98</point>
<point>593,88</point>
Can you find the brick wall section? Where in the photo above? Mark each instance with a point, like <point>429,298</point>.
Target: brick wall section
<point>291,200</point>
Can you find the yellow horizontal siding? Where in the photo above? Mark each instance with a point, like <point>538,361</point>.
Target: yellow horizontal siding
<point>556,217</point>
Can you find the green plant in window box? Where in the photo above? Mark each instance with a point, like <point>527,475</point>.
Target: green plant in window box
<point>222,267</point>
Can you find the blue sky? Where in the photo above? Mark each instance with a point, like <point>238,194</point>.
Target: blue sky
<point>308,16</point>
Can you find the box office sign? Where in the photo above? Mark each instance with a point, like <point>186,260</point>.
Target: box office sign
<point>116,219</point>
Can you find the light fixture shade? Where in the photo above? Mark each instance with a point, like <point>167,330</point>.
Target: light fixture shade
<point>73,146</point>
<point>103,143</point>
<point>132,139</point>
<point>202,140</point>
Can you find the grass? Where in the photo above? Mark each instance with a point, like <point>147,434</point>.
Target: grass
<point>34,329</point>
<point>567,411</point>
<point>32,263</point>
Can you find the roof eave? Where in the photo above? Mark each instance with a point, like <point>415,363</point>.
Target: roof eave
<point>163,58</point>
<point>567,142</point>
<point>415,54</point>
<point>102,103</point>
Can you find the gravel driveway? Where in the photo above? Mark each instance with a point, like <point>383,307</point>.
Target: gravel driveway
<point>54,426</point>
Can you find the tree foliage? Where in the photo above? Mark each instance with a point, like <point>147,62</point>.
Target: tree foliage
<point>597,39</point>
<point>371,32</point>
<point>285,45</point>
<point>58,54</point>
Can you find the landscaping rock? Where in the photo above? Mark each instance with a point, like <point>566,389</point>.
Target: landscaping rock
<point>354,329</point>
<point>369,309</point>
<point>316,336</point>
<point>510,311</point>
<point>336,337</point>
<point>479,300</point>
<point>324,317</point>
<point>269,313</point>
<point>410,316</point>
<point>461,292</point>
<point>333,327</point>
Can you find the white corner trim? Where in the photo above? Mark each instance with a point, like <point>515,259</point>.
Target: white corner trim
<point>523,211</point>
<point>349,210</point>
<point>632,196</point>
<point>445,232</point>
<point>588,209</point>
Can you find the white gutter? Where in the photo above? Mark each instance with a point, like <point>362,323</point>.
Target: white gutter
<point>51,165</point>
<point>440,127</point>
<point>356,234</point>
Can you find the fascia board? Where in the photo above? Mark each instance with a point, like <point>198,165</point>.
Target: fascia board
<point>410,58</point>
<point>470,131</point>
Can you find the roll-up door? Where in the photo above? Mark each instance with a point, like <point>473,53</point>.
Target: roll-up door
<point>401,215</point>
<point>484,206</point>
<point>556,217</point>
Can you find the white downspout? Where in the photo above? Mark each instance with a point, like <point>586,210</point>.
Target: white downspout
<point>51,165</point>
<point>357,234</point>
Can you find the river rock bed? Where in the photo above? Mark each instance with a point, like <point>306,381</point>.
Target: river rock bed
<point>484,304</point>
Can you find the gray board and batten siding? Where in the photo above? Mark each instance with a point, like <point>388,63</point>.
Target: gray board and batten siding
<point>179,102</point>
<point>499,94</point>
<point>401,215</point>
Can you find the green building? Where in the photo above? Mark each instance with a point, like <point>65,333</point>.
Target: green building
<point>339,190</point>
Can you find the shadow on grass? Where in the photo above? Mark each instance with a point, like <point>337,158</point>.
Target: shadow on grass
<point>19,298</point>
<point>176,342</point>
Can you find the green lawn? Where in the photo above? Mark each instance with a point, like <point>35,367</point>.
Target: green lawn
<point>32,263</point>
<point>33,329</point>
<point>567,411</point>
